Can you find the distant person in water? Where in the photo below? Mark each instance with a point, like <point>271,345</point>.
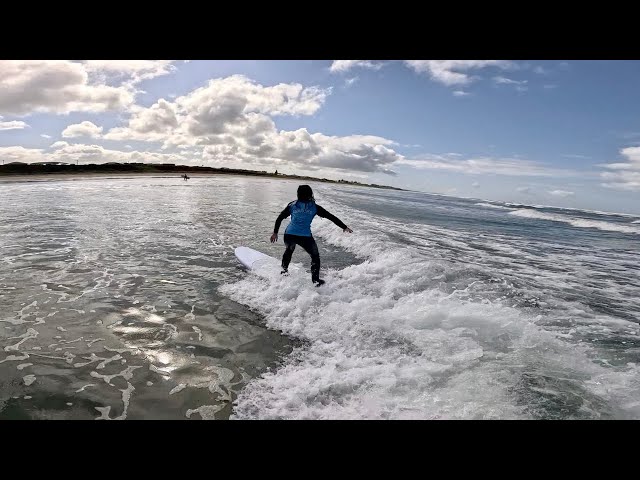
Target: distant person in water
<point>298,232</point>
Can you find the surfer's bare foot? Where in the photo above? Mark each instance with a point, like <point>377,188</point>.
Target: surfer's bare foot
<point>284,272</point>
<point>319,282</point>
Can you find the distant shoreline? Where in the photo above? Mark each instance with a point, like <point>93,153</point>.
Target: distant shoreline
<point>35,171</point>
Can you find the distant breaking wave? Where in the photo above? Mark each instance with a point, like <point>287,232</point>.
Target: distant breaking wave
<point>493,206</point>
<point>576,222</point>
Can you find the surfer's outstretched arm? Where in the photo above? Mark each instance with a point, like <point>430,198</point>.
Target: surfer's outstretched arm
<point>284,214</point>
<point>324,214</point>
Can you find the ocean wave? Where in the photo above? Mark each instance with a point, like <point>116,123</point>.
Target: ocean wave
<point>576,222</point>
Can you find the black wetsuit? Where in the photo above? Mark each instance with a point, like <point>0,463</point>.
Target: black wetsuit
<point>302,215</point>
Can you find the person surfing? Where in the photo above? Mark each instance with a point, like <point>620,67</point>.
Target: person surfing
<point>298,232</point>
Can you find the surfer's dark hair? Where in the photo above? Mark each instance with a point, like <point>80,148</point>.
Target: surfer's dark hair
<point>305,193</point>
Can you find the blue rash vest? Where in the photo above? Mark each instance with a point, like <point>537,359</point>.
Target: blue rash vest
<point>302,214</point>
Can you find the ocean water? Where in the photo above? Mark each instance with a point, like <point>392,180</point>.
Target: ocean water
<point>120,298</point>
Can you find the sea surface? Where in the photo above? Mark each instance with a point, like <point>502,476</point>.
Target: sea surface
<point>121,298</point>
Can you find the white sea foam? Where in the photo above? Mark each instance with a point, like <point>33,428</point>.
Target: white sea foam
<point>384,341</point>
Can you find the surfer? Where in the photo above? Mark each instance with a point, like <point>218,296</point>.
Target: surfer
<point>298,232</point>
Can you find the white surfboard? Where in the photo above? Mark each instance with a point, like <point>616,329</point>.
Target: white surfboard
<point>251,258</point>
<point>263,264</point>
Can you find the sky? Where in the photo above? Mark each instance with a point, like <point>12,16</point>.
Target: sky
<point>559,133</point>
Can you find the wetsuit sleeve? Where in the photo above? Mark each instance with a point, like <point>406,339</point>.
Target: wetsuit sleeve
<point>324,214</point>
<point>284,214</point>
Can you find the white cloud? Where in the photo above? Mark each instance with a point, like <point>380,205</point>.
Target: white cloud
<point>632,154</point>
<point>303,149</point>
<point>61,86</point>
<point>44,135</point>
<point>225,107</point>
<point>627,180</point>
<point>160,118</point>
<point>55,86</point>
<point>625,175</point>
<point>350,81</point>
<point>447,72</point>
<point>520,85</point>
<point>230,119</point>
<point>83,129</point>
<point>460,93</point>
<point>508,81</point>
<point>13,125</point>
<point>346,65</point>
<point>349,155</point>
<point>21,154</point>
<point>484,165</point>
<point>453,72</point>
<point>239,94</point>
<point>561,193</point>
<point>475,184</point>
<point>523,189</point>
<point>80,153</point>
<point>132,71</point>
